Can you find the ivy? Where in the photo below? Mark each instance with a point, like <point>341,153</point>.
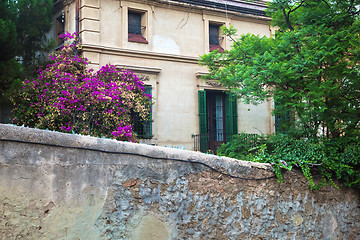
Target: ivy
<point>327,158</point>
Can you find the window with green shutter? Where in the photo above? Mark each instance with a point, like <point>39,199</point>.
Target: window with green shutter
<point>203,122</point>
<point>143,128</point>
<point>231,116</point>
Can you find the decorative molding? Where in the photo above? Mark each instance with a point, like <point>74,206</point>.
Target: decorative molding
<point>210,84</point>
<point>213,83</point>
<point>144,78</point>
<point>89,19</point>
<point>141,69</point>
<point>140,54</point>
<point>201,74</point>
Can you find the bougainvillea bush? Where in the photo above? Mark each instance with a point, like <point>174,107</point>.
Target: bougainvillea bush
<point>67,97</point>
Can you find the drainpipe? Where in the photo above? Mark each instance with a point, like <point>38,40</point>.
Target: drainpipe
<point>77,15</point>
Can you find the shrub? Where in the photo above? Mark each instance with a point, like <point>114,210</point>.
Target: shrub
<point>343,159</point>
<point>67,97</point>
<point>329,158</point>
<point>241,146</point>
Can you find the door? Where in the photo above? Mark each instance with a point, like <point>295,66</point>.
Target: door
<point>216,119</point>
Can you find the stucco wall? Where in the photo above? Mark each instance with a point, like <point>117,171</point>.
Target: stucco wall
<point>50,192</point>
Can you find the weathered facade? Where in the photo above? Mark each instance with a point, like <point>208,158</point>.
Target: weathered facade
<point>161,41</point>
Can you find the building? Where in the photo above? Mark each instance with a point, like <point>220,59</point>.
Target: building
<point>161,41</point>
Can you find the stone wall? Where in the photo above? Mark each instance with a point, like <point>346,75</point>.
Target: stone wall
<point>77,187</point>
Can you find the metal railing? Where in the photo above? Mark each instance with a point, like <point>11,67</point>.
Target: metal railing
<point>196,138</point>
<point>200,139</point>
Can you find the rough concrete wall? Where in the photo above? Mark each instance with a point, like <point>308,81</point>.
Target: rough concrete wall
<point>49,192</point>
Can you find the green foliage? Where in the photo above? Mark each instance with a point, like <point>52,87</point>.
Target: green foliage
<point>328,158</point>
<point>241,146</point>
<point>8,34</point>
<point>343,159</point>
<point>23,25</point>
<point>310,68</point>
<point>10,70</point>
<point>33,22</point>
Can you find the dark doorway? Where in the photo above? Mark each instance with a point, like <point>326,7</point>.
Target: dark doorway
<point>216,119</point>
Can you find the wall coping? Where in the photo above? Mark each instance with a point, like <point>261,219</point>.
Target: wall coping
<point>228,165</point>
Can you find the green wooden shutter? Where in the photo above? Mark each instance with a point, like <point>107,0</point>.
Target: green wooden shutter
<point>231,127</point>
<point>148,123</point>
<point>203,122</point>
<point>277,120</point>
<point>234,114</point>
<point>281,121</point>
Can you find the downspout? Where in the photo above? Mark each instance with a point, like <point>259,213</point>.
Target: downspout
<point>77,13</point>
<point>77,16</point>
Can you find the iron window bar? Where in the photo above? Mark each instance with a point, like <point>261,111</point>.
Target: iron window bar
<point>138,32</point>
<point>217,41</point>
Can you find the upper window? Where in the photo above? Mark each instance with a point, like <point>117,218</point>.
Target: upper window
<point>215,39</point>
<point>136,28</point>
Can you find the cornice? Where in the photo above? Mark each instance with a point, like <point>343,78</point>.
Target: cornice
<point>139,54</point>
<point>183,6</point>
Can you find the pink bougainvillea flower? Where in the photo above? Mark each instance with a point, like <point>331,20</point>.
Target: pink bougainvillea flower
<point>66,96</point>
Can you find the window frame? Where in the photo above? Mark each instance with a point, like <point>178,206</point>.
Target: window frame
<point>219,44</point>
<point>139,36</point>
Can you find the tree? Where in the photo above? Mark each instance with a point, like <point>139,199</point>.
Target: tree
<point>23,28</point>
<point>310,68</point>
<point>67,97</point>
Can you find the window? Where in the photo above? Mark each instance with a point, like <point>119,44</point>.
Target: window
<point>143,128</point>
<point>215,39</point>
<point>136,27</point>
